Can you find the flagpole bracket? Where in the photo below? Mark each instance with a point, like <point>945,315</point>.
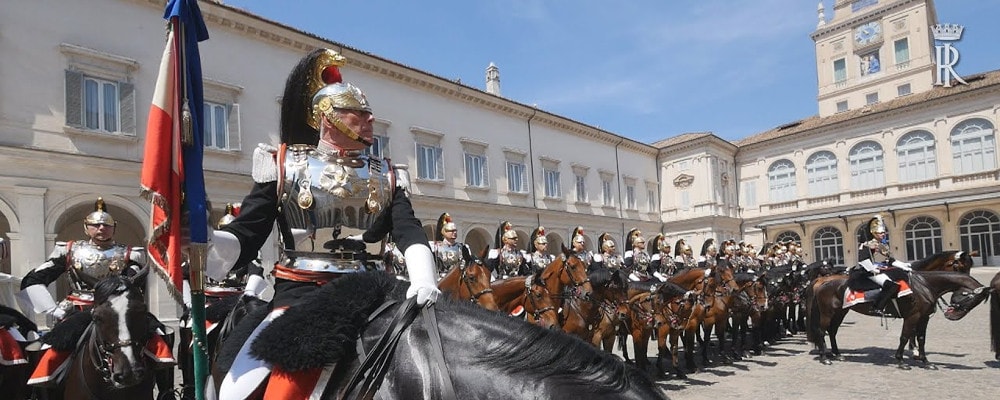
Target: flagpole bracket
<point>198,256</point>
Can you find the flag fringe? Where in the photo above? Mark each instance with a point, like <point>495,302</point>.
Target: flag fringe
<point>153,244</point>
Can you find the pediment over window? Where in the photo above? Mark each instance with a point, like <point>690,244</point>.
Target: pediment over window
<point>683,181</point>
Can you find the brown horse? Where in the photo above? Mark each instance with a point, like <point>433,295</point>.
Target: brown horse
<point>470,282</point>
<point>748,314</point>
<point>717,300</point>
<point>825,300</point>
<point>596,320</point>
<point>567,273</point>
<point>530,293</point>
<point>667,310</point>
<point>951,260</point>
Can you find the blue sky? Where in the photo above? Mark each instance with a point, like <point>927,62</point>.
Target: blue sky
<point>644,69</point>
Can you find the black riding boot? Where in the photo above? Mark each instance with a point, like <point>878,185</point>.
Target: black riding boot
<point>185,362</point>
<point>165,376</point>
<point>889,291</point>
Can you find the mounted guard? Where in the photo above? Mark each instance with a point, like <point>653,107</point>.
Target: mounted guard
<point>448,251</point>
<point>709,255</point>
<point>661,262</point>
<point>540,258</point>
<point>873,258</point>
<point>684,255</point>
<point>506,259</point>
<point>85,263</point>
<point>579,247</point>
<point>636,258</point>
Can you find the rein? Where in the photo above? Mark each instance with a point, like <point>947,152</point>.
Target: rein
<point>473,297</point>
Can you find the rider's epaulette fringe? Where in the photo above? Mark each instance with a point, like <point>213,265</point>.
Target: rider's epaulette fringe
<point>324,326</point>
<point>265,166</point>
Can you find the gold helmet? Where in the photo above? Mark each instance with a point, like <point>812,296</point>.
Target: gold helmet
<point>876,225</point>
<point>504,231</point>
<point>538,236</point>
<point>607,243</point>
<point>577,236</point>
<point>634,237</point>
<point>232,211</point>
<point>100,215</point>
<point>709,247</point>
<point>660,243</point>
<point>444,224</point>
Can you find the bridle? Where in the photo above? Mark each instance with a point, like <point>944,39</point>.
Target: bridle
<point>563,269</point>
<point>533,299</point>
<point>473,296</point>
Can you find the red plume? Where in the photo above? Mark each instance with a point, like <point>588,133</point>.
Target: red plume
<point>331,75</point>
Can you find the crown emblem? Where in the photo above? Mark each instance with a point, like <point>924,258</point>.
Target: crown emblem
<point>947,32</point>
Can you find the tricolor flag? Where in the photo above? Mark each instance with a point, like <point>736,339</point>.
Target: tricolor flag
<point>172,162</point>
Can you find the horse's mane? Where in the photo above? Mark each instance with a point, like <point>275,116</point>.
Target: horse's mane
<point>603,277</point>
<point>112,285</point>
<point>536,353</point>
<point>669,290</point>
<point>10,317</point>
<point>744,277</point>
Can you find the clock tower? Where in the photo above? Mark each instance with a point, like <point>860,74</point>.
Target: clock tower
<point>873,51</point>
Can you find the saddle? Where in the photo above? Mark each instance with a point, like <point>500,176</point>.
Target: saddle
<point>860,289</point>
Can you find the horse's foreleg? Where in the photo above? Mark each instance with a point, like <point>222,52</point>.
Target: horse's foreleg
<point>674,349</point>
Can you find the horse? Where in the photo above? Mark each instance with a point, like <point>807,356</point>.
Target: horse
<point>108,362</point>
<point>16,330</point>
<point>470,282</point>
<point>825,300</point>
<point>567,271</point>
<point>530,293</point>
<point>950,260</point>
<point>717,300</point>
<point>747,314</point>
<point>666,309</point>
<point>995,316</point>
<point>596,319</point>
<point>479,353</point>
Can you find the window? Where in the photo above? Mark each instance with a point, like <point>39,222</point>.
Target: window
<point>902,50</point>
<point>685,200</point>
<point>915,151</point>
<point>821,171</point>
<point>215,126</point>
<point>787,236</point>
<point>607,194</point>
<point>430,164</point>
<point>750,194</point>
<point>871,98</point>
<point>828,243</point>
<point>651,199</point>
<point>517,180</point>
<point>840,70</point>
<point>973,146</point>
<point>923,237</point>
<point>379,147</point>
<point>99,95</point>
<point>842,106</point>
<point>476,170</point>
<point>630,197</point>
<point>581,188</point>
<point>552,188</point>
<point>903,90</point>
<point>781,181</point>
<point>867,169</point>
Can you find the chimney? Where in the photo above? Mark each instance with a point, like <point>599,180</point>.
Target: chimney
<point>493,79</point>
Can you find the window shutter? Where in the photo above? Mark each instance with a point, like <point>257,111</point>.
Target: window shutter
<point>126,107</point>
<point>234,126</point>
<point>74,99</point>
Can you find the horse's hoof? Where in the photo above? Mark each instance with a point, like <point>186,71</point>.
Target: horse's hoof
<point>826,361</point>
<point>931,367</point>
<point>904,366</point>
<point>839,357</point>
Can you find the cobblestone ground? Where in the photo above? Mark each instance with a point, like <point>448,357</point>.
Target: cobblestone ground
<point>964,366</point>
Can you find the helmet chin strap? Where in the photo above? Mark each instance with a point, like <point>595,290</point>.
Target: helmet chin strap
<point>346,130</point>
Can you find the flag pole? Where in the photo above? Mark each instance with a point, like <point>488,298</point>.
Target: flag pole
<point>198,254</point>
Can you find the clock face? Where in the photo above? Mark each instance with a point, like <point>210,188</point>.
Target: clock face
<point>867,33</point>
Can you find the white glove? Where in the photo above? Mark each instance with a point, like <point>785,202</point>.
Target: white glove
<point>905,266</point>
<point>359,237</point>
<point>420,265</point>
<point>660,276</point>
<point>54,315</point>
<point>255,286</point>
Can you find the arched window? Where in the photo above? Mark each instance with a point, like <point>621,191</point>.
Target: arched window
<point>821,171</point>
<point>781,181</point>
<point>973,146</point>
<point>828,243</point>
<point>923,237</point>
<point>867,169</point>
<point>917,161</point>
<point>980,230</point>
<point>862,232</point>
<point>786,236</point>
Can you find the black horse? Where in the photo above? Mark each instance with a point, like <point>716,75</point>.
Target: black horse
<point>825,300</point>
<point>486,354</point>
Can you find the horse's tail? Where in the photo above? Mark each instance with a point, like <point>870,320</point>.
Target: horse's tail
<point>813,332</point>
<point>995,322</point>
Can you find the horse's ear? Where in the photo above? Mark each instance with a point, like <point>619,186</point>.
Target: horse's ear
<point>139,276</point>
<point>566,251</point>
<point>484,253</point>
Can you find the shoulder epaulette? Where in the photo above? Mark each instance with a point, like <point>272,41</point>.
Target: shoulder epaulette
<point>265,165</point>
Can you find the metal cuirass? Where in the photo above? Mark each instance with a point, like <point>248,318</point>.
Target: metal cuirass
<point>450,255</point>
<point>510,261</point>
<point>324,191</point>
<point>880,252</point>
<point>541,261</point>
<point>640,261</point>
<point>91,263</point>
<point>586,257</point>
<point>614,262</point>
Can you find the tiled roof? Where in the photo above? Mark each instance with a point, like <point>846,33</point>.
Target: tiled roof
<point>977,81</point>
